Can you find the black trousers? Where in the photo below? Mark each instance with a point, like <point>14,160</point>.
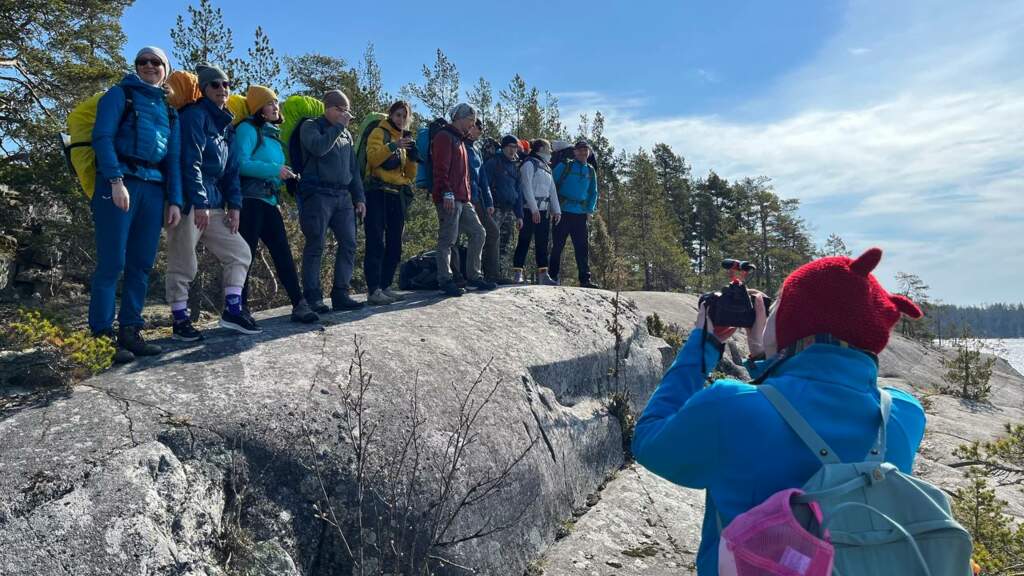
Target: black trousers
<point>385,223</point>
<point>261,221</point>
<point>574,225</point>
<point>539,233</point>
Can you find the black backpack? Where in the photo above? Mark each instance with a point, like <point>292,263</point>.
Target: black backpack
<point>296,156</point>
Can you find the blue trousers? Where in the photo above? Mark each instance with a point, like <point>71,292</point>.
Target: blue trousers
<point>125,242</point>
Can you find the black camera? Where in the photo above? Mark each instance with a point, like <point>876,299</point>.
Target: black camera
<point>733,305</point>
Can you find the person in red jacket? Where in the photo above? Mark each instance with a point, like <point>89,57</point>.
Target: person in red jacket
<point>452,195</point>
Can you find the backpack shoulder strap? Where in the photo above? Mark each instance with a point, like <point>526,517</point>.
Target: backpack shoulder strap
<point>810,438</point>
<point>877,453</point>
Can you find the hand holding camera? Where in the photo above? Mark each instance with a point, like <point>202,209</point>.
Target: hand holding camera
<point>733,305</point>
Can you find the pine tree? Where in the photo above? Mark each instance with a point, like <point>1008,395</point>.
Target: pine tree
<point>551,123</point>
<point>968,372</point>
<point>674,180</point>
<point>439,91</point>
<point>370,84</point>
<point>262,67</point>
<point>514,100</point>
<point>482,98</point>
<point>834,246</point>
<point>204,40</point>
<point>313,74</point>
<point>998,542</point>
<point>532,123</point>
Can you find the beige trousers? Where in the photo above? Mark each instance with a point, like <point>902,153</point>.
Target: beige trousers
<point>182,264</point>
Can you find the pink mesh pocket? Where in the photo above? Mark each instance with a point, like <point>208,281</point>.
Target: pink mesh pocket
<point>767,540</point>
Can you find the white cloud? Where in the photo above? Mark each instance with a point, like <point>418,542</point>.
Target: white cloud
<point>915,145</point>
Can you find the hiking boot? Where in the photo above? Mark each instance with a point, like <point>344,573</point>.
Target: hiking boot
<point>451,289</point>
<point>121,355</point>
<point>590,284</point>
<point>482,285</point>
<point>393,295</point>
<point>129,338</point>
<point>379,298</point>
<point>342,301</point>
<point>319,307</point>
<point>241,322</point>
<point>185,332</point>
<point>301,312</point>
<point>544,279</point>
<point>517,276</point>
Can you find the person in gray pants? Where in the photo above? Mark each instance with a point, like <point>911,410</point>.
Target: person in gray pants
<point>451,193</point>
<point>330,197</point>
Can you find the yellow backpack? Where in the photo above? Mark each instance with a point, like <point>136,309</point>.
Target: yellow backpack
<point>238,108</point>
<point>77,143</point>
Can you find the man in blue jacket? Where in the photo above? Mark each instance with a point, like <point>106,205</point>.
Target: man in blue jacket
<point>501,172</point>
<point>480,193</point>
<point>213,201</point>
<point>576,181</point>
<point>819,347</point>
<point>135,138</point>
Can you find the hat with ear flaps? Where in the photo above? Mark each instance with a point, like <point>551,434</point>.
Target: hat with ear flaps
<point>840,296</point>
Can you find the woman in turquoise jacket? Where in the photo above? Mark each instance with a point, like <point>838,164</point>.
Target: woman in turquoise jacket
<point>135,138</point>
<point>819,347</point>
<point>262,171</point>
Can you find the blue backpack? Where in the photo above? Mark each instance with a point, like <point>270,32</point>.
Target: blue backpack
<point>879,520</point>
<point>425,135</point>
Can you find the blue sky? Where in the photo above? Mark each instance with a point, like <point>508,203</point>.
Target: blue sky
<point>897,124</point>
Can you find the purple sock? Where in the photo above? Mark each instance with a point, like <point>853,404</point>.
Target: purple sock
<point>179,311</point>
<point>233,303</point>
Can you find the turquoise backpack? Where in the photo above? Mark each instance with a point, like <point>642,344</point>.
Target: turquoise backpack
<point>880,520</point>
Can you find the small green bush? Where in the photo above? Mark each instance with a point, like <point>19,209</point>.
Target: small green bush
<point>670,333</point>
<point>81,354</point>
<point>969,372</point>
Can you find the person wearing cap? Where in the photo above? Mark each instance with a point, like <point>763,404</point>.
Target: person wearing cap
<point>391,157</point>
<point>501,172</point>
<point>576,181</point>
<point>452,195</point>
<point>818,346</point>
<point>137,166</point>
<point>262,171</point>
<point>330,197</point>
<point>538,189</point>
<point>483,203</point>
<point>211,211</point>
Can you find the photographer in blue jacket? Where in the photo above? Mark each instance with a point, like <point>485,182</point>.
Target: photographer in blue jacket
<point>819,347</point>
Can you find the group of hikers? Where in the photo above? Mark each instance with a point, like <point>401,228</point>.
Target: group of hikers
<point>207,176</point>
<point>814,416</point>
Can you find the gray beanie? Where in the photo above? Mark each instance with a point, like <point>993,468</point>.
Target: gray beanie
<point>208,73</point>
<point>155,52</point>
<point>461,111</point>
<point>335,98</point>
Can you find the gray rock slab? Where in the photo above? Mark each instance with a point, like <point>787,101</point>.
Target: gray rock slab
<point>255,418</point>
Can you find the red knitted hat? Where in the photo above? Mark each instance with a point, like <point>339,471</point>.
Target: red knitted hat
<point>840,296</point>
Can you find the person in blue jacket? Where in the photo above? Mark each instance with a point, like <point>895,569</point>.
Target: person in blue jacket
<point>135,138</point>
<point>211,210</point>
<point>819,347</point>
<point>261,169</point>
<point>501,172</point>
<point>483,202</point>
<point>576,181</point>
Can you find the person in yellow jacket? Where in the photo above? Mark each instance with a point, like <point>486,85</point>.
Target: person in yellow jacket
<point>391,158</point>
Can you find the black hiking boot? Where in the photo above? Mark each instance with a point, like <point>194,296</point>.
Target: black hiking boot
<point>241,322</point>
<point>121,356</point>
<point>588,283</point>
<point>452,289</point>
<point>301,312</point>
<point>130,339</point>
<point>319,307</point>
<point>482,285</point>
<point>342,301</point>
<point>184,331</point>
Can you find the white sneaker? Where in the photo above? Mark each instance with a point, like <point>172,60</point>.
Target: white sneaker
<point>395,297</point>
<point>379,298</point>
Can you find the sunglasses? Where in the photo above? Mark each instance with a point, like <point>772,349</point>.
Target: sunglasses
<point>216,84</point>
<point>154,63</point>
